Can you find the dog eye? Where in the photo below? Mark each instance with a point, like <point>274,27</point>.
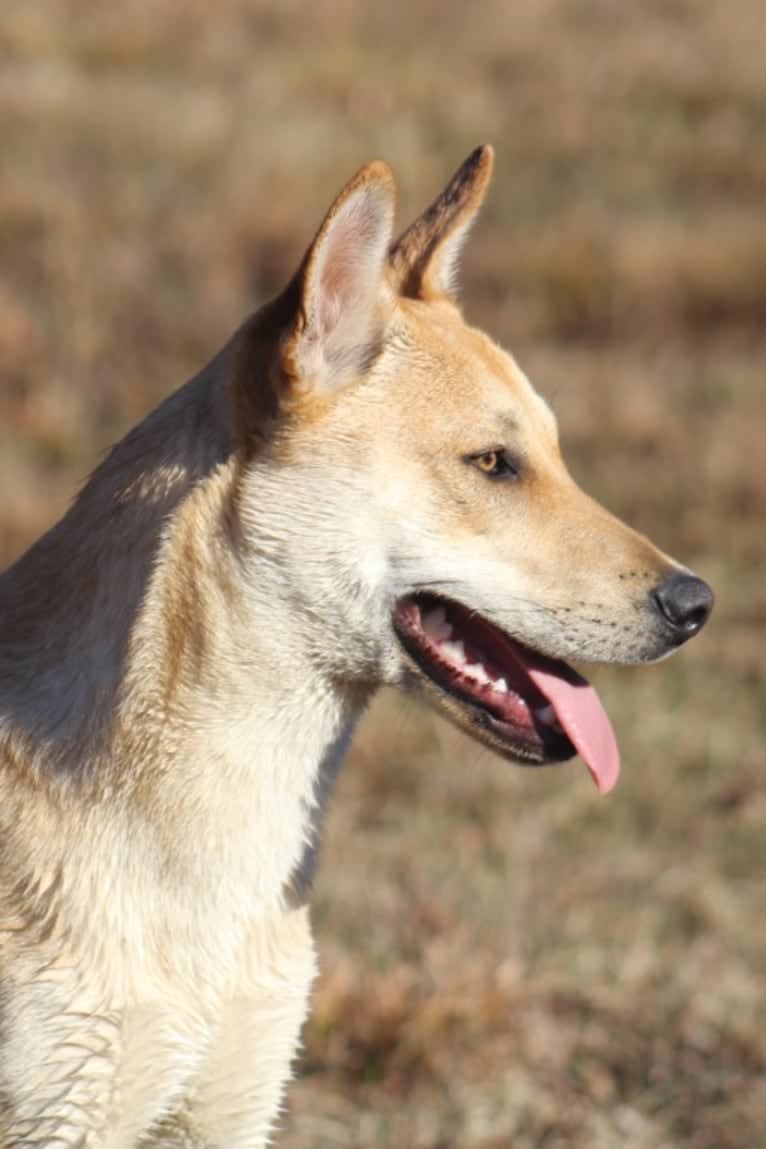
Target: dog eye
<point>496,464</point>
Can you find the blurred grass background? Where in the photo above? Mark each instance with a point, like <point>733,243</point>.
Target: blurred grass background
<point>507,959</point>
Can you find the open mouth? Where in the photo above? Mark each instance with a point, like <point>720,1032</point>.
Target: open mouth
<point>533,708</point>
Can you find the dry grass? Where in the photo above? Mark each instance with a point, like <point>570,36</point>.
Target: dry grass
<point>507,959</point>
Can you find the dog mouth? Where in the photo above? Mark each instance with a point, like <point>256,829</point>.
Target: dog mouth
<point>534,709</point>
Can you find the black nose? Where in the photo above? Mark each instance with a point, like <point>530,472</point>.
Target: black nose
<point>684,601</point>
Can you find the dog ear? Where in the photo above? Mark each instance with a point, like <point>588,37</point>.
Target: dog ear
<point>424,259</point>
<point>320,333</point>
<point>338,302</point>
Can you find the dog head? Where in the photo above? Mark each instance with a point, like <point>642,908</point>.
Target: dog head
<point>407,479</point>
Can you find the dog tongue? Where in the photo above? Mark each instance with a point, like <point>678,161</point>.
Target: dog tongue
<point>581,716</point>
<point>579,712</point>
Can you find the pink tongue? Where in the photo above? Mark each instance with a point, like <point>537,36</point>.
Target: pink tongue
<point>583,718</point>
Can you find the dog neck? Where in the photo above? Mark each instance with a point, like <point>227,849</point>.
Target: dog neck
<point>132,643</point>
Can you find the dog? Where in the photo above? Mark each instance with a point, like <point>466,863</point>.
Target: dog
<point>360,489</point>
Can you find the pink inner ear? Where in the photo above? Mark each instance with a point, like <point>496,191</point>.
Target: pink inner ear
<point>350,262</point>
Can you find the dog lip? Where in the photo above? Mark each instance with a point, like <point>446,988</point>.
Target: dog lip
<point>553,746</point>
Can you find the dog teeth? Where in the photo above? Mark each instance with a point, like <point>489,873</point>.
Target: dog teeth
<point>546,715</point>
<point>435,624</point>
<point>476,671</point>
<point>454,651</point>
<point>500,686</point>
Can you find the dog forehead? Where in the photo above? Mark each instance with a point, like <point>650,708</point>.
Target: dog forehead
<point>461,372</point>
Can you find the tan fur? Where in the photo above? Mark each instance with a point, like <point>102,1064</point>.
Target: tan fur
<point>184,656</point>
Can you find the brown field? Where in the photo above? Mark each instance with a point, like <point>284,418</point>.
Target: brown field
<point>508,959</point>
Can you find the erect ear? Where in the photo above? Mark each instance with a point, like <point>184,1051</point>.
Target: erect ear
<point>337,297</point>
<point>424,259</point>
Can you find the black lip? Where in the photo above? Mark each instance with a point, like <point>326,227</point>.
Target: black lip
<point>555,747</point>
<point>549,747</point>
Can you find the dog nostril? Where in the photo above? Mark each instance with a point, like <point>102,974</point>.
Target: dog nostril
<point>684,601</point>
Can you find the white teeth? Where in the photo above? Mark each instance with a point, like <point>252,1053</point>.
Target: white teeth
<point>500,686</point>
<point>435,624</point>
<point>476,671</point>
<point>546,715</point>
<point>455,651</point>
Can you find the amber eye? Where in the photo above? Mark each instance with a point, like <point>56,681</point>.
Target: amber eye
<point>489,462</point>
<point>495,464</point>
